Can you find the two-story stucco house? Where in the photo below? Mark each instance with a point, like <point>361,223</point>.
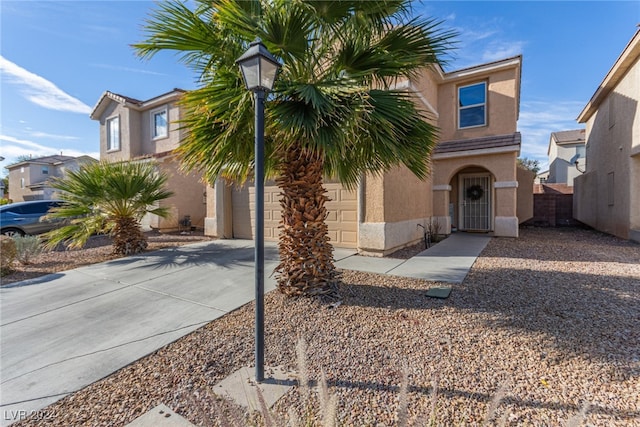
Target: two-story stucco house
<point>607,196</point>
<point>135,130</point>
<point>30,179</point>
<point>566,156</point>
<point>475,185</point>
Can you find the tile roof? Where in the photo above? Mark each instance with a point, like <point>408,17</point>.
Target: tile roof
<point>485,142</point>
<point>566,136</point>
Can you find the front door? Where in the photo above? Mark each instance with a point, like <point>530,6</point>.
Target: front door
<point>475,206</point>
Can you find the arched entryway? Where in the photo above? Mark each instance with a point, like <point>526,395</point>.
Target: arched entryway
<point>472,200</point>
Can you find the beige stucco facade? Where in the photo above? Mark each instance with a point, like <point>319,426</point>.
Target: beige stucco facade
<point>137,142</point>
<point>392,208</point>
<point>474,184</point>
<point>607,196</point>
<point>395,203</point>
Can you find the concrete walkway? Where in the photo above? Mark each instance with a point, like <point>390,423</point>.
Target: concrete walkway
<point>448,261</point>
<point>64,331</point>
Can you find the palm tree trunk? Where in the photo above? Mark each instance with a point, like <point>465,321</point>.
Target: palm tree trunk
<point>306,255</point>
<point>128,237</point>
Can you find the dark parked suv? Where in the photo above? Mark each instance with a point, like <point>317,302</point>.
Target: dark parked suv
<point>18,219</point>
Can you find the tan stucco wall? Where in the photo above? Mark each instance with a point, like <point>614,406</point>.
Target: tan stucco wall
<point>393,206</point>
<point>159,145</point>
<point>405,196</point>
<point>373,198</point>
<point>219,219</point>
<point>501,166</point>
<point>502,105</point>
<point>128,146</point>
<point>426,84</point>
<point>584,195</point>
<point>524,209</point>
<point>613,144</point>
<point>188,198</point>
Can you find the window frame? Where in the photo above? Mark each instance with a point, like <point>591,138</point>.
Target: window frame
<point>154,113</point>
<point>44,170</point>
<point>468,107</point>
<point>110,134</point>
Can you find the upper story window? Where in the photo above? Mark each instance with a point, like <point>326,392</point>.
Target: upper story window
<point>45,170</point>
<point>113,134</point>
<point>21,169</point>
<point>472,101</point>
<point>160,128</point>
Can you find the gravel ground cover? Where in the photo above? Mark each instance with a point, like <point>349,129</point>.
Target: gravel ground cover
<point>544,331</point>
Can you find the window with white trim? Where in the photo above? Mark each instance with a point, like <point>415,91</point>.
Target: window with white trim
<point>21,182</point>
<point>45,170</point>
<point>472,101</point>
<point>113,134</point>
<point>159,124</point>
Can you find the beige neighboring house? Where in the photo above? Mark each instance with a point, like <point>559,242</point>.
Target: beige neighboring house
<point>135,130</point>
<point>607,196</point>
<point>475,185</point>
<point>30,179</point>
<point>566,156</point>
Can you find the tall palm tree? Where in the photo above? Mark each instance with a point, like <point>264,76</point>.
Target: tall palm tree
<point>334,110</point>
<point>108,198</point>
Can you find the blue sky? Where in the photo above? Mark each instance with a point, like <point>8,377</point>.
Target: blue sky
<point>57,58</point>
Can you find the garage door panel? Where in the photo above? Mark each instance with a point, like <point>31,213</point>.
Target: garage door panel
<point>342,219</point>
<point>349,216</point>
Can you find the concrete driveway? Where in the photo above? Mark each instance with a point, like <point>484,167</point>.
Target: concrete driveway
<point>64,331</point>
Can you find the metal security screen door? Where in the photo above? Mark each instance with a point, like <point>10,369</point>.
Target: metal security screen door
<point>476,202</point>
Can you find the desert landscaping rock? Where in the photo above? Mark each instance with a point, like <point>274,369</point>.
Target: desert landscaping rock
<point>543,327</point>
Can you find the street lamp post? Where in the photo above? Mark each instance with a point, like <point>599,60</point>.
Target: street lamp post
<point>259,69</point>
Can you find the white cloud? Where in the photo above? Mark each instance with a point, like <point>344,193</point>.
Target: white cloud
<point>41,91</point>
<point>128,69</point>
<point>53,136</point>
<point>538,119</point>
<point>500,50</point>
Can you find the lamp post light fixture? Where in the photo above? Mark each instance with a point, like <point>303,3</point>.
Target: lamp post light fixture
<point>259,69</point>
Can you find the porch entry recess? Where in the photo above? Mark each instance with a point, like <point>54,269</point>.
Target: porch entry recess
<point>476,202</point>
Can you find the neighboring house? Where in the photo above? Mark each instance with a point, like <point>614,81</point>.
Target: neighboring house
<point>134,130</point>
<point>566,156</point>
<point>542,177</point>
<point>607,196</point>
<point>30,179</point>
<point>475,184</point>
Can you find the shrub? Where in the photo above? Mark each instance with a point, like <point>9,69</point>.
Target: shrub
<point>27,247</point>
<point>7,254</point>
<point>433,229</point>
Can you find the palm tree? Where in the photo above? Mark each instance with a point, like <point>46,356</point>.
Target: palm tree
<point>333,111</point>
<point>108,198</point>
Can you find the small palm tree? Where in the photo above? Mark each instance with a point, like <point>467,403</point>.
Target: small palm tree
<point>334,111</point>
<point>108,198</point>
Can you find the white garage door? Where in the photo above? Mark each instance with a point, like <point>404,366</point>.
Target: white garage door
<point>342,219</point>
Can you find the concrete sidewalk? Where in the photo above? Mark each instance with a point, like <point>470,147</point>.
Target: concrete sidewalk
<point>448,261</point>
<point>64,331</point>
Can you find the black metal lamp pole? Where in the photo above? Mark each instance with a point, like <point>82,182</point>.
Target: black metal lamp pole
<point>259,239</point>
<point>259,69</point>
